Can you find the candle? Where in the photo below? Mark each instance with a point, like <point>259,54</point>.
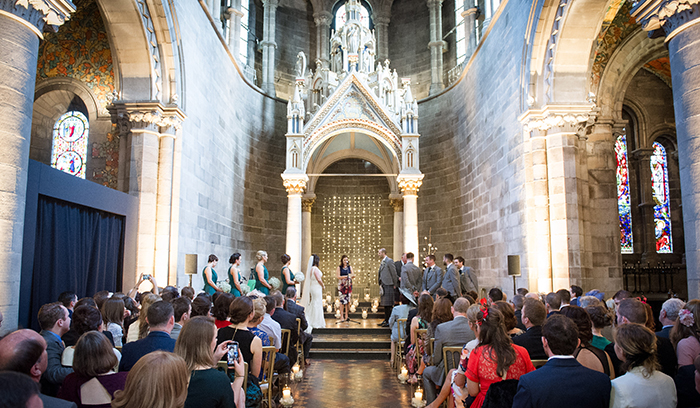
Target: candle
<point>328,298</point>
<point>330,308</point>
<point>352,309</point>
<point>364,314</point>
<point>295,368</point>
<point>419,395</point>
<point>404,371</point>
<point>286,394</point>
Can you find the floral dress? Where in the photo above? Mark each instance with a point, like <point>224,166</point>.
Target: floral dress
<point>345,286</point>
<point>481,369</point>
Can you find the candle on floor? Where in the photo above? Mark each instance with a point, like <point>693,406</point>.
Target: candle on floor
<point>286,393</point>
<point>330,308</point>
<point>295,368</point>
<point>328,298</point>
<point>367,297</point>
<point>404,371</point>
<point>419,394</point>
<point>364,314</point>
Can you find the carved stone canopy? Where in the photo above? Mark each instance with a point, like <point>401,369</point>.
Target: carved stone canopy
<point>144,115</point>
<point>572,118</point>
<point>670,15</point>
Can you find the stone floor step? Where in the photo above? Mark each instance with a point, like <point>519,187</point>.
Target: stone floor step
<point>345,354</point>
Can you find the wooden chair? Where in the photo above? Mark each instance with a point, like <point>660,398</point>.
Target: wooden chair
<point>223,366</point>
<point>420,334</point>
<point>286,336</point>
<point>268,364</point>
<point>398,349</point>
<point>539,363</point>
<point>299,345</point>
<point>451,356</point>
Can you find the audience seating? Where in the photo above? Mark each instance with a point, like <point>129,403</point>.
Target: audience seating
<point>398,350</point>
<point>286,336</point>
<point>451,356</point>
<point>299,345</point>
<point>420,333</point>
<point>266,383</point>
<point>539,363</point>
<point>223,366</point>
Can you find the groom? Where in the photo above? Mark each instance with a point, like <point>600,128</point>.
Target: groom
<point>388,281</point>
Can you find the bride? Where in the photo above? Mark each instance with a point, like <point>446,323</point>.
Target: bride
<point>312,295</point>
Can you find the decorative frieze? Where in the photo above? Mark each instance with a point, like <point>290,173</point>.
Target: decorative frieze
<point>139,115</point>
<point>571,118</point>
<point>671,15</point>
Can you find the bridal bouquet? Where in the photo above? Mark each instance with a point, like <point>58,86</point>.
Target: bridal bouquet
<point>225,286</point>
<point>275,283</point>
<point>299,277</point>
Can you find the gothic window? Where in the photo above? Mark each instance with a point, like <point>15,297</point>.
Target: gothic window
<point>69,149</point>
<point>341,17</point>
<point>662,212</point>
<point>243,47</point>
<point>624,207</point>
<point>461,42</point>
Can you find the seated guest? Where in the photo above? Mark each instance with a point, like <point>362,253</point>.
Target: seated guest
<point>495,295</point>
<point>201,305</point>
<point>562,381</point>
<point>287,321</point>
<point>208,387</point>
<point>220,311</point>
<point>643,385</point>
<point>508,318</point>
<point>564,296</point>
<point>632,310</point>
<point>398,312</point>
<point>259,306</point>
<point>442,293</point>
<point>269,325</point>
<point>668,316</point>
<point>441,313</point>
<point>297,310</point>
<point>18,390</point>
<point>587,355</point>
<point>600,318</point>
<point>522,291</point>
<point>54,322</point>
<point>575,292</point>
<point>240,314</point>
<point>587,301</point>
<point>113,312</point>
<point>187,292</point>
<point>169,293</point>
<point>448,334</point>
<point>159,380</point>
<point>496,358</point>
<point>416,345</point>
<point>684,334</point>
<point>93,382</point>
<point>24,351</point>
<point>160,320</point>
<point>100,298</point>
<point>534,315</point>
<point>552,303</point>
<point>182,309</point>
<point>517,302</point>
<point>85,318</point>
<point>68,299</point>
<point>132,311</point>
<point>139,329</point>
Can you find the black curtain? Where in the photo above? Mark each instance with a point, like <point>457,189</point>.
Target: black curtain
<point>77,248</point>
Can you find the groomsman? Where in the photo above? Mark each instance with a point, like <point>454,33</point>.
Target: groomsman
<point>450,282</point>
<point>411,276</point>
<point>468,279</point>
<point>388,282</point>
<point>432,276</point>
<point>399,266</point>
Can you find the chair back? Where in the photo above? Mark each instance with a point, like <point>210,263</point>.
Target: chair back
<point>222,365</point>
<point>299,345</point>
<point>539,363</point>
<point>268,364</point>
<point>451,356</point>
<point>421,335</point>
<point>402,330</point>
<point>286,337</point>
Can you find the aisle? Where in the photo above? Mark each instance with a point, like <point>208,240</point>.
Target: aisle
<point>351,383</point>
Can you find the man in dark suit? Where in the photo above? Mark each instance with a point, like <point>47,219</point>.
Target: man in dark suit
<point>553,303</point>
<point>54,322</point>
<point>411,276</point>
<point>161,319</point>
<point>517,302</point>
<point>399,266</point>
<point>563,380</point>
<point>298,311</point>
<point>450,280</point>
<point>533,316</point>
<point>631,310</point>
<point>24,351</point>
<point>432,276</point>
<point>449,334</point>
<point>287,321</point>
<point>668,316</point>
<point>387,279</point>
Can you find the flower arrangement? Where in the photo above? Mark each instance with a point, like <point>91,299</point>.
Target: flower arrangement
<point>245,289</point>
<point>225,286</point>
<point>299,277</point>
<point>686,317</point>
<point>275,283</point>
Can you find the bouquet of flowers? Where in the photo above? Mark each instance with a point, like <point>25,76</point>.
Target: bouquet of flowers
<point>299,277</point>
<point>245,289</point>
<point>275,283</point>
<point>225,286</point>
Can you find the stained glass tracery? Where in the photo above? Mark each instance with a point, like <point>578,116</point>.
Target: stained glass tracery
<point>662,211</point>
<point>69,149</point>
<point>624,207</point>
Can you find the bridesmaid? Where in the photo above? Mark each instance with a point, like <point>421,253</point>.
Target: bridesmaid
<point>287,275</point>
<point>210,277</point>
<point>261,273</point>
<point>234,275</point>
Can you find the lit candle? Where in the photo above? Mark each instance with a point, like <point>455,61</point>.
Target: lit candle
<point>364,314</point>
<point>419,394</point>
<point>404,371</point>
<point>330,308</point>
<point>352,309</point>
<point>295,368</point>
<point>286,393</point>
<point>328,298</point>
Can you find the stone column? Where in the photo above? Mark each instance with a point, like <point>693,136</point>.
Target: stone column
<point>409,185</point>
<point>234,30</point>
<point>381,28</point>
<point>469,15</point>
<point>21,25</point>
<point>681,23</point>
<point>538,201</point>
<point>397,205</point>
<point>323,29</point>
<point>436,45</point>
<point>295,185</point>
<point>216,13</point>
<point>268,46</point>
<point>307,204</point>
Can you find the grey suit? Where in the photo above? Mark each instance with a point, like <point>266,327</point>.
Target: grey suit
<point>432,279</point>
<point>411,277</point>
<point>55,373</point>
<point>451,281</point>
<point>469,280</point>
<point>387,278</point>
<point>449,334</point>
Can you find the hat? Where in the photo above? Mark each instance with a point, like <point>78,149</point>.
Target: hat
<point>408,295</point>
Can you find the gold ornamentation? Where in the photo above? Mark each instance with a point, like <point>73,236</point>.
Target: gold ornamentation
<point>294,185</point>
<point>410,185</point>
<point>307,204</point>
<point>397,204</point>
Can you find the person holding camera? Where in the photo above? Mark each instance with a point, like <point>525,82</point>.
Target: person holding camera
<point>209,387</point>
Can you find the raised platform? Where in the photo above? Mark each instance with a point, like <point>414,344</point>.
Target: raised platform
<point>352,341</point>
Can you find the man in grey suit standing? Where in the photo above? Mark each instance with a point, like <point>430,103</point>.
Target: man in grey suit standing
<point>467,277</point>
<point>388,281</point>
<point>449,334</point>
<point>432,276</point>
<point>450,282</point>
<point>411,276</point>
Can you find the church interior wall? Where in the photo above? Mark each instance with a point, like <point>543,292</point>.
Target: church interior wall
<point>408,46</point>
<point>295,31</point>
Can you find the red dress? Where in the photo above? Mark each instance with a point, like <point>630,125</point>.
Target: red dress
<point>482,370</point>
<point>221,323</point>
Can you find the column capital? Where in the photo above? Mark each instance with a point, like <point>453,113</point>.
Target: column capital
<point>572,118</point>
<point>673,16</point>
<point>396,204</point>
<point>270,3</point>
<point>323,18</point>
<point>295,184</point>
<point>37,14</point>
<point>410,183</point>
<point>381,20</point>
<point>307,204</point>
<point>146,115</point>
<point>433,3</point>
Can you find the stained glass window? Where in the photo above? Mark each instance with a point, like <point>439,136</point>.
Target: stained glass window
<point>69,150</point>
<point>341,17</point>
<point>624,207</point>
<point>662,210</point>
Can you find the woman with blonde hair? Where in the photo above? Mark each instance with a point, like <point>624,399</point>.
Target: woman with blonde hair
<point>139,329</point>
<point>93,381</point>
<point>643,385</point>
<point>208,387</point>
<point>261,274</point>
<point>157,380</point>
<point>685,336</point>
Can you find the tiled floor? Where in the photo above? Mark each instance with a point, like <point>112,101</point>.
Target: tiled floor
<point>349,383</point>
<point>356,323</point>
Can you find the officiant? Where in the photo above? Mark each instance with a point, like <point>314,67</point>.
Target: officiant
<point>388,282</point>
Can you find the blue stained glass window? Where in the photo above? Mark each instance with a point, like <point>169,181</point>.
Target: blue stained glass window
<point>69,149</point>
<point>624,207</point>
<point>662,210</point>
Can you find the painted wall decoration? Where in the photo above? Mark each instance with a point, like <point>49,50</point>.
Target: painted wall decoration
<point>661,67</point>
<point>69,148</point>
<point>659,188</point>
<point>108,150</point>
<point>610,37</point>
<point>623,195</point>
<point>80,50</point>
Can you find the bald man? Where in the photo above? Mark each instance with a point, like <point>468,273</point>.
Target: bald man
<point>24,351</point>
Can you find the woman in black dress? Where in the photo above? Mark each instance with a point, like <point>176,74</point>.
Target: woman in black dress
<point>344,275</point>
<point>241,312</point>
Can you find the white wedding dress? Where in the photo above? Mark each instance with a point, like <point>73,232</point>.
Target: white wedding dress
<point>312,300</point>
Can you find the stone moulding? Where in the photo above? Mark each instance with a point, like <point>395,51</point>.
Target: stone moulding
<point>572,117</point>
<point>135,115</point>
<point>669,15</point>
